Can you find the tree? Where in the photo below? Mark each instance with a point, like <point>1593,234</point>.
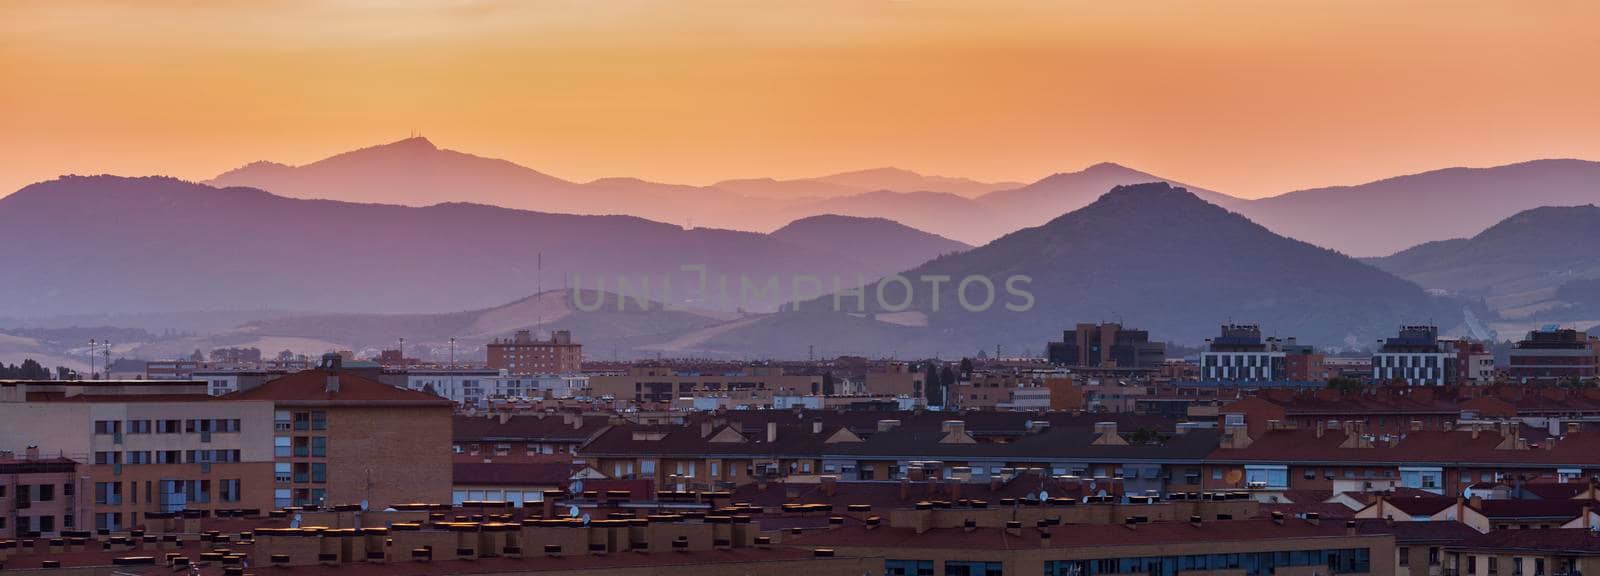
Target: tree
<point>933,385</point>
<point>32,370</point>
<point>1344,384</point>
<point>827,384</point>
<point>65,373</point>
<point>947,378</point>
<point>966,366</point>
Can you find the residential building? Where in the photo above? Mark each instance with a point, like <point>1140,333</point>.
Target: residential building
<point>339,438</point>
<point>1240,354</point>
<point>1551,353</point>
<point>40,495</point>
<point>743,385</point>
<point>1417,357</point>
<point>523,354</point>
<point>145,446</point>
<point>1106,345</point>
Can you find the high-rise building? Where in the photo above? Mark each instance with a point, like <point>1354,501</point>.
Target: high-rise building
<point>1106,345</point>
<point>523,354</point>
<point>1240,354</point>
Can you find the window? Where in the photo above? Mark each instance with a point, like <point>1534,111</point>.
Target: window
<point>1405,555</point>
<point>302,421</point>
<point>908,567</point>
<point>107,458</point>
<point>1472,565</point>
<point>1494,564</point>
<point>169,426</point>
<point>47,524</point>
<point>66,490</point>
<point>319,473</point>
<point>138,426</point>
<point>1433,556</point>
<point>959,568</point>
<point>319,420</point>
<point>319,446</point>
<point>107,427</point>
<point>280,421</point>
<point>47,492</point>
<point>282,472</point>
<point>228,490</point>
<point>280,446</point>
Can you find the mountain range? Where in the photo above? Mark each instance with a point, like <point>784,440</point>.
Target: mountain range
<point>107,244</point>
<point>1369,220</point>
<point>1151,255</point>
<point>1538,266</point>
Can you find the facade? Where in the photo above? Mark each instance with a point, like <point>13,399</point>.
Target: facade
<point>40,495</point>
<point>1106,345</point>
<point>145,446</point>
<point>741,385</point>
<point>1551,354</point>
<point>478,387</point>
<point>1240,354</point>
<point>339,438</point>
<point>1417,357</point>
<point>523,354</point>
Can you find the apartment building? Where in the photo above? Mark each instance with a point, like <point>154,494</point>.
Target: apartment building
<point>39,494</point>
<point>1551,354</point>
<point>750,386</point>
<point>145,446</point>
<point>1106,345</point>
<point>1240,354</point>
<point>524,354</point>
<point>339,438</point>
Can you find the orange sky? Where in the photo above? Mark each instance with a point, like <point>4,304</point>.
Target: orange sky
<point>1248,98</point>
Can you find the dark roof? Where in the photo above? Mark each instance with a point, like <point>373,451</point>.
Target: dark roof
<point>527,428</point>
<point>1069,535</point>
<point>311,387</point>
<point>1054,444</point>
<point>1406,532</point>
<point>886,494</point>
<point>1573,541</point>
<point>512,473</point>
<point>1443,448</point>
<point>1528,509</point>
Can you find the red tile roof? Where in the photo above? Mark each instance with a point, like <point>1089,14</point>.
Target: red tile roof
<point>513,473</point>
<point>311,387</point>
<point>1069,536</point>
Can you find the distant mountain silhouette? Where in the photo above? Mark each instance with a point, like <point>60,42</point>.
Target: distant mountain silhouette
<point>107,244</point>
<point>877,243</point>
<point>1149,255</point>
<point>1385,216</point>
<point>859,182</point>
<point>1057,194</point>
<point>1531,265</point>
<point>1372,219</point>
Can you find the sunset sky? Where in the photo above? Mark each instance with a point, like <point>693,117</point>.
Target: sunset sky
<point>1247,98</point>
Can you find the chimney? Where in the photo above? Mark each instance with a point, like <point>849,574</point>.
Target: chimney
<point>31,453</point>
<point>816,426</point>
<point>705,428</point>
<point>887,425</point>
<point>1574,427</point>
<point>1416,425</point>
<point>772,432</point>
<point>1313,518</point>
<point>905,487</point>
<point>1350,527</point>
<point>1477,502</point>
<point>953,426</point>
<point>1105,434</point>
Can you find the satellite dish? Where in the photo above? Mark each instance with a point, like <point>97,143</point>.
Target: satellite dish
<point>1234,476</point>
<point>1043,495</point>
<point>572,511</point>
<point>364,505</point>
<point>576,487</point>
<point>585,519</point>
<point>295,523</point>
